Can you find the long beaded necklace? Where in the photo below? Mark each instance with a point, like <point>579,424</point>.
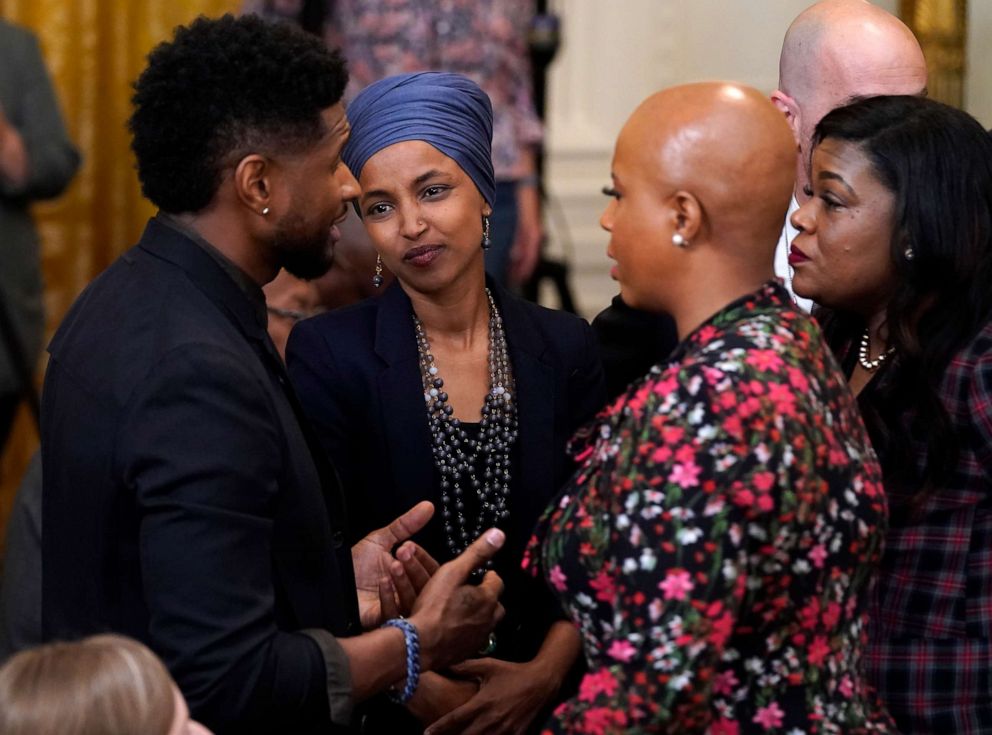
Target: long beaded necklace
<point>863,349</point>
<point>456,454</point>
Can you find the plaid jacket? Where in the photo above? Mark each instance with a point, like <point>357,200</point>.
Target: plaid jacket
<point>931,636</point>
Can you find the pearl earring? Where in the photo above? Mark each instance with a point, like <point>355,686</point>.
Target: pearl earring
<point>265,211</point>
<point>679,241</point>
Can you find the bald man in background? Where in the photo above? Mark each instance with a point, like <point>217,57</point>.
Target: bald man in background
<point>833,52</point>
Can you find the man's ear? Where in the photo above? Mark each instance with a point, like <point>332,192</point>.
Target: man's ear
<point>253,182</point>
<point>788,107</point>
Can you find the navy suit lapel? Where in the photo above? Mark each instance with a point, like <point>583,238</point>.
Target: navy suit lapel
<point>535,381</point>
<point>401,402</point>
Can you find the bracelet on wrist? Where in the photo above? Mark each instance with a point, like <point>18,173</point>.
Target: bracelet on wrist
<point>412,641</point>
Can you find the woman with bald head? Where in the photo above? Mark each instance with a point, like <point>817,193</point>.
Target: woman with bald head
<point>716,544</point>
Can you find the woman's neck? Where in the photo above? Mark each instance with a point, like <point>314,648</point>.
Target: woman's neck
<point>700,304</point>
<point>878,332</point>
<point>459,314</point>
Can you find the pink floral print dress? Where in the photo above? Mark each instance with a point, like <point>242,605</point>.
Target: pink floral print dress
<point>717,544</point>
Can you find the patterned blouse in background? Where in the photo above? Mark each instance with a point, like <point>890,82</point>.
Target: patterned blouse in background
<point>485,41</point>
<point>716,546</point>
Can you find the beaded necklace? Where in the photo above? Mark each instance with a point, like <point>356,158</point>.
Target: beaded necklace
<point>456,454</point>
<point>863,348</point>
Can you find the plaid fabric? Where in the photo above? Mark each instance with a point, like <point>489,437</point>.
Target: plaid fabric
<point>931,637</point>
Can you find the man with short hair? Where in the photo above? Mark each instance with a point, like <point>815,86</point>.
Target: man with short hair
<point>185,501</point>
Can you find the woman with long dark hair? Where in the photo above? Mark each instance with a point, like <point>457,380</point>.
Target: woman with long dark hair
<point>896,247</point>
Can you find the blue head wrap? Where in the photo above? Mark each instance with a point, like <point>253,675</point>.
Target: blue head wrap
<point>448,111</point>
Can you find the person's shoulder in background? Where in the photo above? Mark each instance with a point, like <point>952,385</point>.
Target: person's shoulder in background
<point>631,341</point>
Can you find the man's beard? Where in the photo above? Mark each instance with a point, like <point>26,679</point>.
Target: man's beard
<point>306,254</point>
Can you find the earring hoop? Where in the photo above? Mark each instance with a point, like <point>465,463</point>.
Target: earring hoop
<point>377,278</point>
<point>909,254</point>
<point>679,241</point>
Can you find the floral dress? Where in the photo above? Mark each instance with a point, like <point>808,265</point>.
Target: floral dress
<point>717,543</point>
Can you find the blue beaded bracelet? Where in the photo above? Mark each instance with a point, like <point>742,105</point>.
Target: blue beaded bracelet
<point>412,658</point>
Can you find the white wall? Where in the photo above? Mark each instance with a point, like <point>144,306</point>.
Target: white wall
<point>614,54</point>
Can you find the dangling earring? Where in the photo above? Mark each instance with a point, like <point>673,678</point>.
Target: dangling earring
<point>485,233</point>
<point>377,278</point>
<point>679,241</point>
<point>909,254</point>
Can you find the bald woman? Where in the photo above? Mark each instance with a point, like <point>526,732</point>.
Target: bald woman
<point>716,543</point>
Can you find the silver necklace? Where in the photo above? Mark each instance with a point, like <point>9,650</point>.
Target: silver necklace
<point>863,351</point>
<point>457,455</point>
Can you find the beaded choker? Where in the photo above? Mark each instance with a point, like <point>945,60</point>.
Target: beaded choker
<point>863,351</point>
<point>457,455</point>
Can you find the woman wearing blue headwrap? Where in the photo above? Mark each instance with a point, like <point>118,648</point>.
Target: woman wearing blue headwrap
<point>448,388</point>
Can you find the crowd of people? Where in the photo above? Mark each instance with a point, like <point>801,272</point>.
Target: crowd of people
<point>440,509</point>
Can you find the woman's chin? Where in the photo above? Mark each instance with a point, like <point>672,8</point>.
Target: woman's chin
<point>803,290</point>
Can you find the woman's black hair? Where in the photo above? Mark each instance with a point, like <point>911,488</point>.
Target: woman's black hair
<point>937,162</point>
<point>221,89</point>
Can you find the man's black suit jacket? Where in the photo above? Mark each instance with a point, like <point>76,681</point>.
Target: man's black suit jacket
<point>182,504</point>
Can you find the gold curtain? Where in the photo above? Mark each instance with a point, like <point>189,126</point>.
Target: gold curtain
<point>94,50</point>
<point>942,27</point>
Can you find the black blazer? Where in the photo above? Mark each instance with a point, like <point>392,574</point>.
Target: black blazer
<point>181,504</point>
<point>356,372</point>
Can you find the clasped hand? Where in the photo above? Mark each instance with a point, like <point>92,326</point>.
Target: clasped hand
<point>388,585</point>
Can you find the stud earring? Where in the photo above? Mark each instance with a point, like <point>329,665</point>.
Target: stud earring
<point>265,211</point>
<point>679,241</point>
<point>486,242</point>
<point>909,254</point>
<point>377,278</point>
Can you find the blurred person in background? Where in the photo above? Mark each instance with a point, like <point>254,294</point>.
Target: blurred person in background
<point>37,161</point>
<point>102,685</point>
<point>288,300</point>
